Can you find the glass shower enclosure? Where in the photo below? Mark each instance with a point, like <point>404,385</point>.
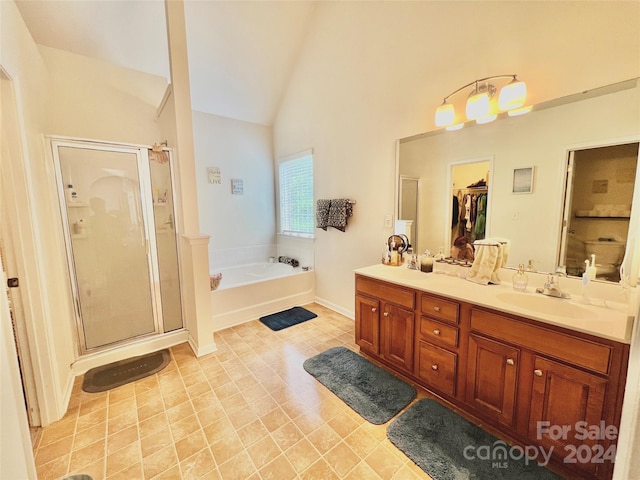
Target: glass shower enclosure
<point>117,209</point>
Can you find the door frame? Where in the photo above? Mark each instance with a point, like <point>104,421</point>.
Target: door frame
<point>144,179</point>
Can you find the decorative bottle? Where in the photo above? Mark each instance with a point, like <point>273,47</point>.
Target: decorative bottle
<point>72,195</point>
<point>520,279</point>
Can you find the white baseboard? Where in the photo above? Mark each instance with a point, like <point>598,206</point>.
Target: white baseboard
<point>336,308</point>
<point>201,351</point>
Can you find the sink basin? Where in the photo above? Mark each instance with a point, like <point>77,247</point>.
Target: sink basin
<point>546,305</point>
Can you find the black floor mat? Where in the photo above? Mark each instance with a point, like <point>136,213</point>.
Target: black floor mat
<point>106,377</point>
<point>287,318</point>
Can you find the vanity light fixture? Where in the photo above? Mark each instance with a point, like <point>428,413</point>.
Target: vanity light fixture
<point>482,105</point>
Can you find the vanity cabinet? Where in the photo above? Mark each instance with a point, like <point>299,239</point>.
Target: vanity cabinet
<point>535,383</point>
<point>384,322</point>
<point>437,343</point>
<point>367,324</point>
<point>573,400</point>
<point>492,375</point>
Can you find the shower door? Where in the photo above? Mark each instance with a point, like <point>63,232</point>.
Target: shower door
<point>106,200</point>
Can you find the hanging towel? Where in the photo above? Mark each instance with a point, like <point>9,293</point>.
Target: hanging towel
<point>467,214</point>
<point>339,211</point>
<point>455,212</point>
<point>506,247</point>
<point>487,262</point>
<point>322,213</point>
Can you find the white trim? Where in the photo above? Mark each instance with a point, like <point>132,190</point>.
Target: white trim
<point>293,156</point>
<point>201,351</point>
<point>34,298</point>
<point>448,193</point>
<point>122,352</point>
<point>336,308</point>
<point>165,98</point>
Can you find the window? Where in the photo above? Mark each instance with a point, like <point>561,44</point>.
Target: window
<point>295,177</point>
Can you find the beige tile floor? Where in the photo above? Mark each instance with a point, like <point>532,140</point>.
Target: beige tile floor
<point>246,412</point>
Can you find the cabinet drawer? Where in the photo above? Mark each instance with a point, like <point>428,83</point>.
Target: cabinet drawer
<point>384,291</point>
<point>435,331</point>
<point>437,367</point>
<point>578,351</point>
<point>438,308</point>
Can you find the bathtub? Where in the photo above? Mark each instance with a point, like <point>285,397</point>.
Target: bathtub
<point>248,292</point>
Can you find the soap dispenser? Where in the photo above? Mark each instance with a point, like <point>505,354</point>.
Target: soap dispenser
<point>520,279</point>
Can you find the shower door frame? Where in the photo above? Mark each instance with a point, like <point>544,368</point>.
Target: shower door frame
<point>146,203</point>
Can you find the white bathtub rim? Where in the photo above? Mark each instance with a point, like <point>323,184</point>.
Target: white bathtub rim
<point>292,271</point>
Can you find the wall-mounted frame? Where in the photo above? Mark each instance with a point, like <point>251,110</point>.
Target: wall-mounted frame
<point>237,186</point>
<point>523,180</point>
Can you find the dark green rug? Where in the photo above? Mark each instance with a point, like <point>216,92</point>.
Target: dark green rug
<point>449,447</point>
<point>368,389</point>
<point>106,377</point>
<point>287,318</point>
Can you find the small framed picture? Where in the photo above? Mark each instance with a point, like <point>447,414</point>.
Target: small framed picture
<point>523,180</point>
<point>237,186</point>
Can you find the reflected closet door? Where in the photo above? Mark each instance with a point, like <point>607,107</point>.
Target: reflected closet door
<point>109,254</point>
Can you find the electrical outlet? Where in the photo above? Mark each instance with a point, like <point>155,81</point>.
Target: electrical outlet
<point>388,221</point>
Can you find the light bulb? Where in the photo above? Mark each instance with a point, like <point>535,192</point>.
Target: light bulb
<point>478,106</point>
<point>445,114</point>
<point>457,126</point>
<point>512,95</point>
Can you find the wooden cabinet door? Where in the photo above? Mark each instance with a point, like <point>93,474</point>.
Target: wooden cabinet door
<point>492,375</point>
<point>397,325</point>
<point>367,324</point>
<point>566,402</point>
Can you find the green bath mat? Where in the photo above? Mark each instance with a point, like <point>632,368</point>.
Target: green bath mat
<point>371,391</point>
<point>449,447</point>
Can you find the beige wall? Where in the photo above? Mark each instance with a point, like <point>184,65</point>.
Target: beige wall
<point>99,100</point>
<point>242,227</point>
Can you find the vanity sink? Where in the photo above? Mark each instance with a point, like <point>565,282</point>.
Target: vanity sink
<point>546,305</point>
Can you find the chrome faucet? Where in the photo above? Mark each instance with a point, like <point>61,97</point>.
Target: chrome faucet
<point>552,287</point>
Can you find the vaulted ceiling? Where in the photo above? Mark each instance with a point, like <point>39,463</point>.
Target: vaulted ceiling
<point>241,53</point>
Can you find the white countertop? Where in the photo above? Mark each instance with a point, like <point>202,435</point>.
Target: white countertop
<point>609,319</point>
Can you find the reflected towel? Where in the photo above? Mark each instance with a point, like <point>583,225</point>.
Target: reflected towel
<point>322,213</point>
<point>488,261</point>
<point>506,248</point>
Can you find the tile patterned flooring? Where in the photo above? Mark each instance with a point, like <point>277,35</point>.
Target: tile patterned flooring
<point>246,412</point>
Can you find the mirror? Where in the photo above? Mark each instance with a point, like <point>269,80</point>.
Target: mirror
<point>527,186</point>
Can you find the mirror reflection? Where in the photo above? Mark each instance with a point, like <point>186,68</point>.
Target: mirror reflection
<point>545,173</point>
<point>599,194</point>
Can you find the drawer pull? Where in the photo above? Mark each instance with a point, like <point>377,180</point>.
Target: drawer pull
<point>374,309</point>
<point>510,361</point>
<point>434,367</point>
<point>538,372</point>
<point>436,332</point>
<point>386,314</point>
<point>437,309</point>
